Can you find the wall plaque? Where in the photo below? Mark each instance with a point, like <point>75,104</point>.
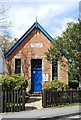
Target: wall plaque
<point>36,45</point>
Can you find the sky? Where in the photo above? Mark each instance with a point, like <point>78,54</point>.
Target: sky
<point>52,15</point>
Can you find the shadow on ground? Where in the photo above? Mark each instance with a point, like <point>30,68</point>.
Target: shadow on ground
<point>30,108</point>
<point>33,99</point>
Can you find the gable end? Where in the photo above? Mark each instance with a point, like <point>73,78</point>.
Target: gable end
<point>35,25</point>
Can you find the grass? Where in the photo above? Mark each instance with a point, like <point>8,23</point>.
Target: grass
<point>13,104</point>
<point>66,104</point>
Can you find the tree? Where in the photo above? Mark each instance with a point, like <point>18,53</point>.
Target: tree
<point>5,24</point>
<point>4,43</point>
<point>72,73</point>
<point>68,45</point>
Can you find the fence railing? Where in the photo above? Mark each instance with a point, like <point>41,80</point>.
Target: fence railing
<point>12,101</point>
<point>52,97</point>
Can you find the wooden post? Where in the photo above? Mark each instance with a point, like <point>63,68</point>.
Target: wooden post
<point>1,101</point>
<point>55,96</point>
<point>0,98</point>
<point>12,101</point>
<point>20,108</point>
<point>52,97</point>
<point>44,98</point>
<point>71,96</point>
<point>23,99</point>
<point>79,90</point>
<point>5,101</point>
<point>17,101</point>
<point>8,92</point>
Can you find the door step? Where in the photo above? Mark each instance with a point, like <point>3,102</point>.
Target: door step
<point>36,94</point>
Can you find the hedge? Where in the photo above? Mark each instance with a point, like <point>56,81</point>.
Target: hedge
<point>73,84</point>
<point>13,82</point>
<point>55,84</point>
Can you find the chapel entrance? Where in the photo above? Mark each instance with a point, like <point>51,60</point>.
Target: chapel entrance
<point>36,75</point>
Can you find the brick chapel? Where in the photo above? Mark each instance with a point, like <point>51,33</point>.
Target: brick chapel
<point>27,57</point>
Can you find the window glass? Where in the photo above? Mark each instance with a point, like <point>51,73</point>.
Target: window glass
<point>54,70</point>
<point>36,63</point>
<point>18,66</point>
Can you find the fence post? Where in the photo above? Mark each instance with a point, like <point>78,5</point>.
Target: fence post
<point>71,96</point>
<point>56,96</point>
<point>17,101</point>
<point>44,98</point>
<point>23,99</point>
<point>14,92</point>
<point>79,90</point>
<point>8,92</point>
<point>0,102</point>
<point>20,101</point>
<point>5,101</point>
<point>12,101</point>
<point>1,99</point>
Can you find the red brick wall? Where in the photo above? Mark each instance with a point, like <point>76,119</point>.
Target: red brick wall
<point>62,70</point>
<point>26,53</point>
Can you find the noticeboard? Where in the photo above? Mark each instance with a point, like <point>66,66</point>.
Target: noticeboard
<point>45,77</point>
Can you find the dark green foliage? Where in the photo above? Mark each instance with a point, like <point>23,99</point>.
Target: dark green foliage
<point>13,82</point>
<point>55,84</point>
<point>72,73</point>
<point>72,76</point>
<point>73,84</point>
<point>69,45</point>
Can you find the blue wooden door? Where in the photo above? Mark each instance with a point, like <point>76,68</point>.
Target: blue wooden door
<point>36,75</point>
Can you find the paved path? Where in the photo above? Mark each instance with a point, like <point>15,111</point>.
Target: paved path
<point>0,116</point>
<point>44,113</point>
<point>35,102</point>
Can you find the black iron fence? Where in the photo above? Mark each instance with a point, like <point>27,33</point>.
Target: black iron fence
<point>52,97</point>
<point>12,101</point>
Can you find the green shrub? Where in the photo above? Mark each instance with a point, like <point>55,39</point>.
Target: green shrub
<point>13,82</point>
<point>73,84</point>
<point>55,84</point>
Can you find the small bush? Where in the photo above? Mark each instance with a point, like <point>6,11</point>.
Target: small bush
<point>73,84</point>
<point>55,84</point>
<point>13,82</point>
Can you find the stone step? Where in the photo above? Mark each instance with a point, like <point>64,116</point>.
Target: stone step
<point>36,94</point>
